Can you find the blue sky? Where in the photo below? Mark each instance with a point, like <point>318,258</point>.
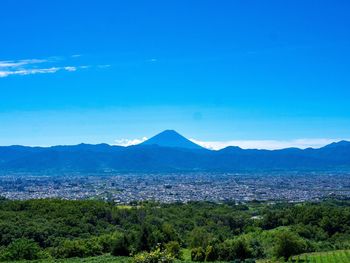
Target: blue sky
<point>258,73</point>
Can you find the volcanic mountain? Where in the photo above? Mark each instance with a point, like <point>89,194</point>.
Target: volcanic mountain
<point>170,138</point>
<point>167,151</point>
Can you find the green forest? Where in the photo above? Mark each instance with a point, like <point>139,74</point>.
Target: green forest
<point>51,229</point>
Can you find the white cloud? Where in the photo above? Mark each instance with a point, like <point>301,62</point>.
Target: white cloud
<point>20,63</point>
<point>28,71</point>
<point>129,142</point>
<point>267,144</point>
<point>7,73</point>
<point>70,68</point>
<point>35,66</point>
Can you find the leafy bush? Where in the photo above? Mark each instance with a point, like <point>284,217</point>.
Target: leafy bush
<point>198,254</point>
<point>22,249</point>
<point>241,249</point>
<point>120,245</point>
<point>78,248</point>
<point>211,253</point>
<point>156,256</point>
<point>288,244</point>
<point>174,249</point>
<point>199,237</point>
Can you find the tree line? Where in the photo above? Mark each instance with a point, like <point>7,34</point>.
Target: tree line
<point>52,228</point>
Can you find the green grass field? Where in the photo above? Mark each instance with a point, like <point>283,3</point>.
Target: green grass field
<point>338,256</point>
<point>341,256</point>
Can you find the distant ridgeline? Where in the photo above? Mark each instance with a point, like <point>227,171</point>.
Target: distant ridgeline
<point>168,151</point>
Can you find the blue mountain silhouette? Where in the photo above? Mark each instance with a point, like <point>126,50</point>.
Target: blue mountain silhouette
<point>170,138</point>
<point>168,151</point>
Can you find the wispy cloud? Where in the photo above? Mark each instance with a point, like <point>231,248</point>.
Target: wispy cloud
<point>70,68</point>
<point>20,63</point>
<point>267,144</point>
<point>4,73</point>
<point>36,66</point>
<point>153,60</point>
<point>28,71</point>
<point>129,142</point>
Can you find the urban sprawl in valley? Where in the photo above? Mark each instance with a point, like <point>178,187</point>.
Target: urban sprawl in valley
<point>179,187</point>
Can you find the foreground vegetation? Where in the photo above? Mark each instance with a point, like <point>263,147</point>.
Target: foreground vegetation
<point>48,230</point>
<point>336,256</point>
<point>341,256</point>
<point>325,257</point>
<point>96,259</point>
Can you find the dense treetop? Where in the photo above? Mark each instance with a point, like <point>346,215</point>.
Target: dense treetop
<point>61,228</point>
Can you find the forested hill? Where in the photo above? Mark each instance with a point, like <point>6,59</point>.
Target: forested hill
<point>158,158</point>
<point>46,229</point>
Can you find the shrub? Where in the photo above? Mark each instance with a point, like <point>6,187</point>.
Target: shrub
<point>198,254</point>
<point>22,249</point>
<point>70,248</point>
<point>174,249</point>
<point>225,251</point>
<point>156,256</point>
<point>106,242</point>
<point>241,249</point>
<point>120,245</point>
<point>78,248</point>
<point>211,253</point>
<point>199,237</point>
<point>288,244</point>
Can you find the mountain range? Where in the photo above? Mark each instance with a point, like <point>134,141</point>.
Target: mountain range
<point>168,151</point>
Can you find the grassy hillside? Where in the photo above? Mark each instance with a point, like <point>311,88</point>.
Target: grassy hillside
<point>337,256</point>
<point>341,256</point>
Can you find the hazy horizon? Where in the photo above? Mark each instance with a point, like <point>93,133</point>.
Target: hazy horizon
<point>218,145</point>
